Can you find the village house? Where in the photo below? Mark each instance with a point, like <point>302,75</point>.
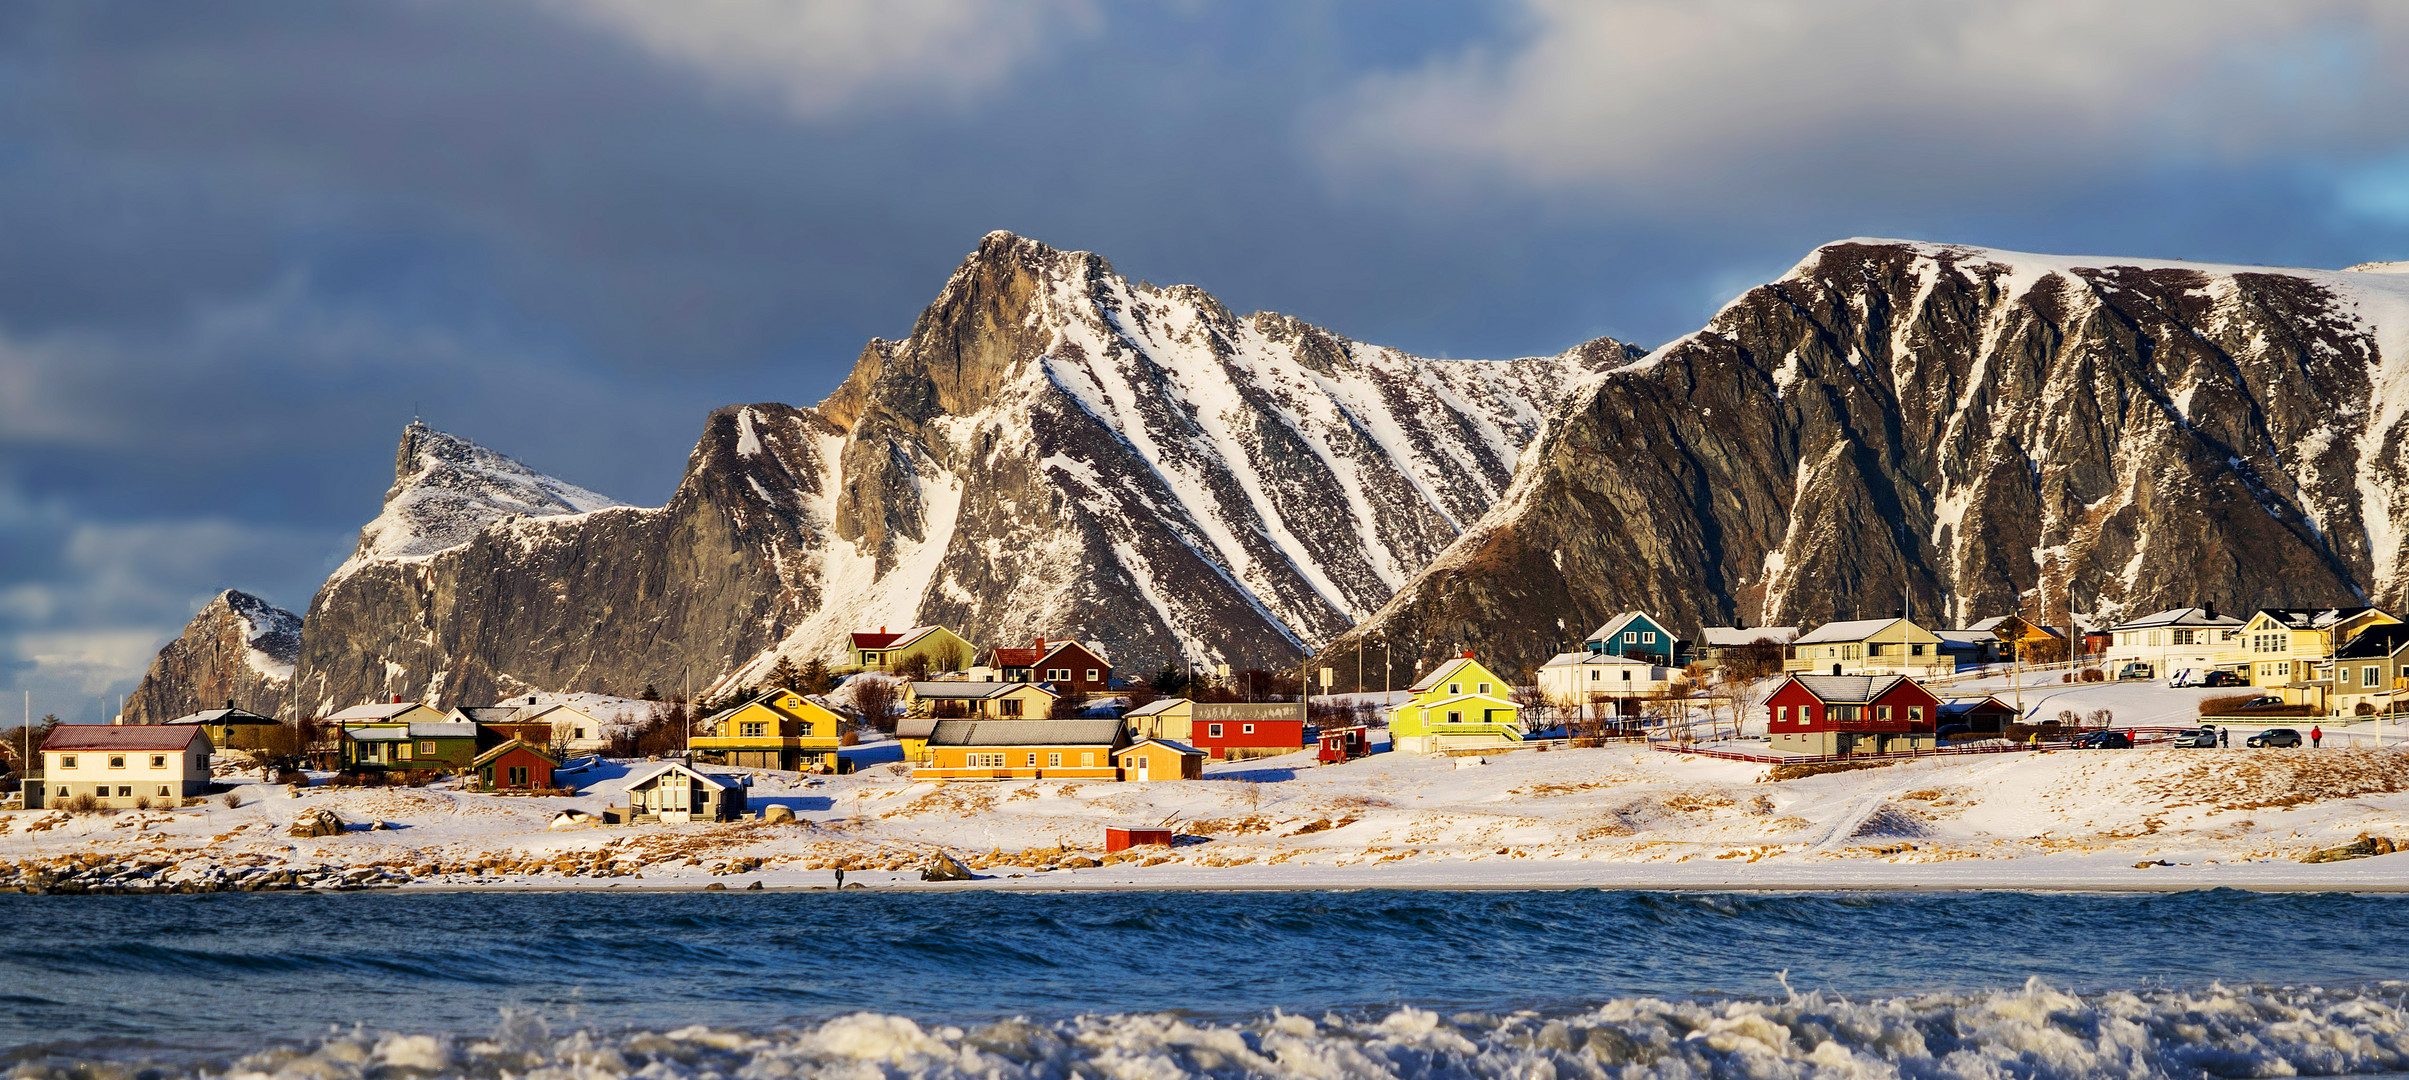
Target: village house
<point>1981,714</point>
<point>1023,750</point>
<point>1170,718</point>
<point>1968,648</point>
<point>2177,639</point>
<point>911,733</point>
<point>2018,640</point>
<point>1719,644</point>
<point>388,712</point>
<point>1828,715</point>
<point>779,729</point>
<point>1159,759</point>
<point>231,728</point>
<point>438,746</point>
<point>2367,676</point>
<point>1638,635</point>
<point>975,700</point>
<point>514,766</point>
<point>1869,647</point>
<point>1239,730</point>
<point>1460,705</point>
<point>673,791</point>
<point>124,767</point>
<point>1068,667</point>
<point>1587,680</point>
<point>2287,645</point>
<point>879,650</point>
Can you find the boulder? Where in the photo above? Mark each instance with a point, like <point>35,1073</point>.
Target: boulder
<point>944,867</point>
<point>777,812</point>
<point>318,822</point>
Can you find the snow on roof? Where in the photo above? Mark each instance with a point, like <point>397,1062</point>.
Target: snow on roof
<point>942,689</point>
<point>1184,749</point>
<point>1441,674</point>
<point>1848,688</point>
<point>224,716</point>
<point>2182,616</point>
<point>1571,658</point>
<point>375,710</point>
<point>1025,732</point>
<point>1733,636</point>
<point>2375,641</point>
<point>105,737</point>
<point>645,775</point>
<point>1615,625</point>
<point>2311,618</point>
<point>1849,630</point>
<point>1158,705</point>
<point>1986,625</point>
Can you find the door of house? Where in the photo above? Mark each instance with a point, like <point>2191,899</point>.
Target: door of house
<point>1141,766</point>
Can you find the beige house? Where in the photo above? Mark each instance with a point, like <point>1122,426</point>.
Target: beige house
<point>2177,639</point>
<point>122,767</point>
<point>1869,647</point>
<point>1580,679</point>
<point>979,700</point>
<point>2283,646</point>
<point>673,791</point>
<point>389,712</point>
<point>1172,718</point>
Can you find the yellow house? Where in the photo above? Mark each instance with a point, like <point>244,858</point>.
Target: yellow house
<point>777,730</point>
<point>1460,705</point>
<point>883,651</point>
<point>1869,647</point>
<point>1159,759</point>
<point>1023,750</point>
<point>2283,646</point>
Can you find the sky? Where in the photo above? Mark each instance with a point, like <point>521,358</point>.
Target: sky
<point>242,244</point>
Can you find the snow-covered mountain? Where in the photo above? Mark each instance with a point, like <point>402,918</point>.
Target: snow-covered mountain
<point>1988,430</point>
<point>1053,451</point>
<point>238,649</point>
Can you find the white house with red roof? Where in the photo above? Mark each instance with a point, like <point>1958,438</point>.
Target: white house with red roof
<point>124,767</point>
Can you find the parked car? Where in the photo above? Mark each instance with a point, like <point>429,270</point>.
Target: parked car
<point>2104,740</point>
<point>2263,701</point>
<point>2223,678</point>
<point>2135,669</point>
<point>2203,739</point>
<point>2282,737</point>
<point>2188,677</point>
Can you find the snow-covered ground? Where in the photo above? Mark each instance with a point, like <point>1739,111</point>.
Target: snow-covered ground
<point>1618,816</point>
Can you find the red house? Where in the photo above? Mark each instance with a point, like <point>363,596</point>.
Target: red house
<point>515,766</point>
<point>1238,730</point>
<point>1066,667</point>
<point>1851,714</point>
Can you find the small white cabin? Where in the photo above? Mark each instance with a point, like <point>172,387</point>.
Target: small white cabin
<point>676,791</point>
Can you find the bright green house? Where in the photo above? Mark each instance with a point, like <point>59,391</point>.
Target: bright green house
<point>1460,705</point>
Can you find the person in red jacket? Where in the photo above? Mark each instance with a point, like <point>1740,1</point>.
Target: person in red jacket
<point>2316,737</point>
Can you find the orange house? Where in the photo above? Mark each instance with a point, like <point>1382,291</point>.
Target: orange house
<point>1160,759</point>
<point>1022,750</point>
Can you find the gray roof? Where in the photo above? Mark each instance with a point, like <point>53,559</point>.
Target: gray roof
<point>1724,637</point>
<point>940,689</point>
<point>1850,630</point>
<point>2182,616</point>
<point>488,714</point>
<point>224,716</point>
<point>1570,659</point>
<point>1158,705</point>
<point>1171,744</point>
<point>1025,733</point>
<point>1848,688</point>
<point>646,774</point>
<point>1250,710</point>
<point>915,727</point>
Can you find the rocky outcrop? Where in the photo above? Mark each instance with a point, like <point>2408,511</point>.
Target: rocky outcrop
<point>1054,451</point>
<point>239,649</point>
<point>1975,431</point>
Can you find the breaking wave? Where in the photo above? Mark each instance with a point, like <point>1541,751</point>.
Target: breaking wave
<point>2033,1033</point>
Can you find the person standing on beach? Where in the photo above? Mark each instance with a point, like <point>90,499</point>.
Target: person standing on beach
<point>840,877</point>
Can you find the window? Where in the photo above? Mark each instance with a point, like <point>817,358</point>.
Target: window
<point>869,658</point>
<point>1915,714</point>
<point>162,791</point>
<point>117,761</point>
<point>1916,650</point>
<point>1058,674</point>
<point>1053,761</point>
<point>517,776</point>
<point>1087,758</point>
<point>124,791</point>
<point>1009,706</point>
<point>2183,637</point>
<point>1626,674</point>
<point>427,748</point>
<point>401,751</point>
<point>1455,688</point>
<point>2370,676</point>
<point>1455,717</point>
<point>1873,648</point>
<point>62,791</point>
<point>1246,729</point>
<point>1212,731</point>
<point>1881,712</point>
<point>983,761</point>
<point>1630,637</point>
<point>1844,712</point>
<point>159,761</point>
<point>1091,675</point>
<point>1032,759</point>
<point>1593,674</point>
<point>67,761</point>
<point>754,730</point>
<point>1484,688</point>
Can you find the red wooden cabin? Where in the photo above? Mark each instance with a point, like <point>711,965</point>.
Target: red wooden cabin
<point>1117,838</point>
<point>515,766</point>
<point>1344,744</point>
<point>1827,715</point>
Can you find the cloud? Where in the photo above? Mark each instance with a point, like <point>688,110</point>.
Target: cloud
<point>1672,101</point>
<point>823,56</point>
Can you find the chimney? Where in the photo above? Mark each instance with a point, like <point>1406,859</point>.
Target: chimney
<point>2209,609</point>
<point>229,704</point>
<point>397,699</point>
<point>1041,644</point>
<point>531,699</point>
<point>1467,654</point>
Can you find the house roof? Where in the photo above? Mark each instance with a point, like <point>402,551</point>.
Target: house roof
<point>2182,616</point>
<point>1952,706</point>
<point>1607,659</point>
<point>1850,630</point>
<point>965,690</point>
<point>715,781</point>
<point>2375,641</point>
<point>915,727</point>
<point>1025,733</point>
<point>1848,688</point>
<point>224,716</point>
<point>488,714</point>
<point>1615,625</point>
<point>884,640</point>
<point>405,733</point>
<point>1469,697</point>
<point>1158,705</point>
<point>1184,749</point>
<point>2311,618</point>
<point>508,747</point>
<point>1968,638</point>
<point>375,710</point>
<point>1441,674</point>
<point>1731,636</point>
<point>104,737</point>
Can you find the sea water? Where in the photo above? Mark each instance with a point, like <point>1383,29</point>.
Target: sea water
<point>1539,985</point>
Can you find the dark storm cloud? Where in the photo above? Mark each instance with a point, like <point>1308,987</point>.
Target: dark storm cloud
<point>246,240</point>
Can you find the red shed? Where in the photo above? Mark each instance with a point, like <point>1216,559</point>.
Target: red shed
<point>1344,744</point>
<point>1851,714</point>
<point>1117,838</point>
<point>514,766</point>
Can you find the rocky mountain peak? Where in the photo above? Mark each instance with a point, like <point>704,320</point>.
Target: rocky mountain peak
<point>239,648</point>
<point>447,488</point>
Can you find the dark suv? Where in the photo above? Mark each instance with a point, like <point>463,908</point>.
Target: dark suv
<point>2281,737</point>
<point>2104,740</point>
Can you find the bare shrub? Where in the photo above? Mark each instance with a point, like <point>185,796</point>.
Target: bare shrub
<point>232,799</point>
<point>142,802</point>
<point>83,804</point>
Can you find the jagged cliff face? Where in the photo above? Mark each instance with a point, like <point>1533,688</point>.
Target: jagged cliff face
<point>240,648</point>
<point>1983,431</point>
<point>1053,450</point>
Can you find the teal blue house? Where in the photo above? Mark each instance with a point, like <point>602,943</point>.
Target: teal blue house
<point>1638,635</point>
